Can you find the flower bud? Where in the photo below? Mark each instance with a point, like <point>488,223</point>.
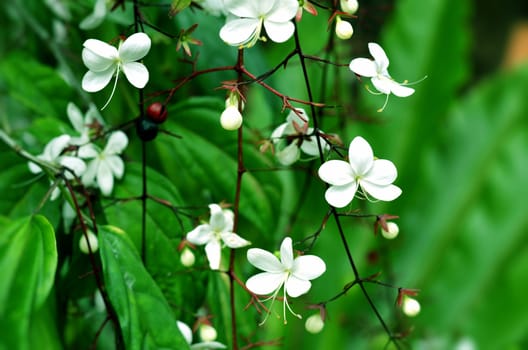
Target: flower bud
<point>343,29</point>
<point>314,324</point>
<point>207,333</point>
<point>231,119</point>
<point>349,6</point>
<point>410,306</point>
<point>83,244</point>
<point>187,257</point>
<point>392,230</point>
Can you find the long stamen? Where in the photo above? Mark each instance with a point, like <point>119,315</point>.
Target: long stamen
<point>385,104</point>
<point>113,88</point>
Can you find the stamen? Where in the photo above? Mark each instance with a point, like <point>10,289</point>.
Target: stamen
<point>113,88</point>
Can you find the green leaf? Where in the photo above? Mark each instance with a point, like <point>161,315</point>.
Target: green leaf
<point>178,5</point>
<point>144,315</point>
<point>28,260</point>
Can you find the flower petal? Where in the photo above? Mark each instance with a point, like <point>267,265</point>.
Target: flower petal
<point>208,345</point>
<point>277,134</point>
<point>75,116</point>
<point>185,331</point>
<point>363,67</point>
<point>55,147</point>
<point>309,146</point>
<point>87,151</point>
<point>232,240</point>
<point>96,17</point>
<point>279,32</point>
<point>213,250</point>
<point>336,172</point>
<point>379,56</point>
<point>308,267</point>
<point>200,235</point>
<point>98,55</point>
<point>96,81</point>
<point>289,155</point>
<point>265,282</point>
<point>401,91</point>
<point>76,165</point>
<point>116,165</point>
<point>282,11</point>
<point>264,260</point>
<point>135,47</point>
<point>360,156</point>
<point>383,84</point>
<point>286,253</point>
<point>217,219</point>
<point>296,287</point>
<point>383,172</point>
<point>239,32</point>
<point>136,73</point>
<point>381,192</point>
<point>105,178</point>
<point>341,196</point>
<point>245,8</point>
<point>117,142</point>
<point>88,177</point>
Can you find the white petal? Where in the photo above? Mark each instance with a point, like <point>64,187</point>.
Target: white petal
<point>363,67</point>
<point>101,48</point>
<point>336,172</point>
<point>264,260</point>
<point>379,56</point>
<point>286,253</point>
<point>308,267</point>
<point>239,31</point>
<point>105,178</point>
<point>289,155</point>
<point>75,116</point>
<point>213,250</point>
<point>284,10</point>
<point>279,32</point>
<point>136,73</point>
<point>217,220</point>
<point>208,345</point>
<point>245,8</point>
<point>232,240</point>
<point>185,331</point>
<point>265,282</point>
<point>296,287</point>
<point>135,47</point>
<point>383,193</point>
<point>401,91</point>
<point>34,168</point>
<point>96,17</point>
<point>88,151</point>
<point>117,142</point>
<point>383,84</point>
<point>116,165</point>
<point>200,235</point>
<point>360,156</point>
<point>55,147</point>
<point>341,196</point>
<point>294,117</point>
<point>74,164</point>
<point>278,132</point>
<point>88,178</point>
<point>96,81</point>
<point>383,172</point>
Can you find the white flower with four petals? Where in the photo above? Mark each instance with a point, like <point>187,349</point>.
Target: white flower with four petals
<point>294,274</point>
<point>377,71</point>
<point>83,124</point>
<point>105,164</point>
<point>219,230</point>
<point>362,170</point>
<point>104,61</point>
<point>244,27</point>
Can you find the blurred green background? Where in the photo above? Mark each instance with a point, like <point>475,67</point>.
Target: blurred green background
<point>460,145</point>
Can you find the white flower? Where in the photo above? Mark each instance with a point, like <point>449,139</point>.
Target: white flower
<point>106,164</point>
<point>250,15</point>
<point>291,138</point>
<point>82,124</point>
<point>374,176</point>
<point>96,17</point>
<point>187,334</point>
<point>294,274</point>
<point>54,154</point>
<point>377,70</point>
<point>218,230</point>
<point>104,61</point>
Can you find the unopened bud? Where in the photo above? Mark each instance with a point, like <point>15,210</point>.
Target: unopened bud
<point>207,333</point>
<point>314,324</point>
<point>343,29</point>
<point>392,230</point>
<point>187,257</point>
<point>231,119</point>
<point>410,306</point>
<point>83,243</point>
<point>349,6</point>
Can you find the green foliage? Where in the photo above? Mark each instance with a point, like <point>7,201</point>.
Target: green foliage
<point>28,260</point>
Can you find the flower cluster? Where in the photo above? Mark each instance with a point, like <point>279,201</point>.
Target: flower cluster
<point>80,157</point>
